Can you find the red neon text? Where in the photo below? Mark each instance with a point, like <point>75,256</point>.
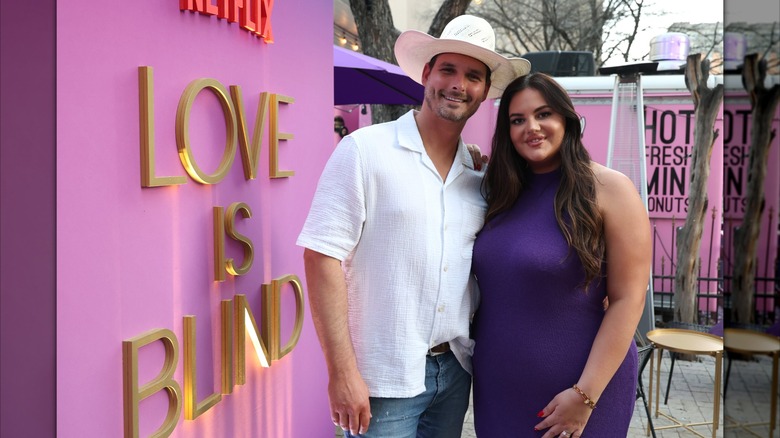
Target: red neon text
<point>252,15</point>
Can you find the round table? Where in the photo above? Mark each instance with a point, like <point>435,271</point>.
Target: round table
<point>753,342</point>
<point>686,342</point>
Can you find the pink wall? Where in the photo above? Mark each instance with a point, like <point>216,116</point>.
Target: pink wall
<point>132,259</point>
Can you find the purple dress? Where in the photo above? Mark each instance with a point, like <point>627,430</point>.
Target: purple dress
<point>535,325</point>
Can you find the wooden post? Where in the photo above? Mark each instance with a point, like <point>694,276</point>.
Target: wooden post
<point>706,104</point>
<point>763,105</point>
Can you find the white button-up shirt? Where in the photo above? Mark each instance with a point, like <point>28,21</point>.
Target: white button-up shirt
<point>405,239</point>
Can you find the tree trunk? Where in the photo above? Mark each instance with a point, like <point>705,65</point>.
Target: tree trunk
<point>378,34</point>
<point>447,11</point>
<point>706,104</point>
<point>375,28</point>
<point>387,113</point>
<point>764,103</point>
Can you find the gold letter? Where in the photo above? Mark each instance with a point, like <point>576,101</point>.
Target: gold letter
<point>226,308</point>
<point>250,153</point>
<point>219,243</point>
<point>276,285</point>
<point>133,395</point>
<point>275,136</point>
<point>269,326</point>
<point>193,409</point>
<point>244,320</point>
<point>230,224</point>
<point>183,130</point>
<point>146,113</point>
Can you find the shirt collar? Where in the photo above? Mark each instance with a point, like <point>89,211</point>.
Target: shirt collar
<point>409,138</point>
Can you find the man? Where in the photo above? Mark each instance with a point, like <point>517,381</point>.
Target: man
<point>399,205</point>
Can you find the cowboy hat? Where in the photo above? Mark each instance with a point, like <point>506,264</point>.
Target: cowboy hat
<point>466,35</point>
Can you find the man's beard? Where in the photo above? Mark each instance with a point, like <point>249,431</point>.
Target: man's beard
<point>446,113</point>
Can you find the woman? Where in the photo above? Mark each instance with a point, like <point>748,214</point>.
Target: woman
<point>562,234</point>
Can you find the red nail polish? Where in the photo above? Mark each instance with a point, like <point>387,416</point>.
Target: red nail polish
<point>540,414</point>
<point>537,430</point>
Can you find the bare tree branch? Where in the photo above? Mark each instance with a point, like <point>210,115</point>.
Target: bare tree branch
<point>524,26</point>
<point>447,11</point>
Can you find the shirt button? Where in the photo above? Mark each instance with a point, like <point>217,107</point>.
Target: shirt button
<point>445,227</point>
<point>441,308</point>
<point>445,268</point>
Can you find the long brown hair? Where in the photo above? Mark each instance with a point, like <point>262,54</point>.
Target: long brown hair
<point>576,209</point>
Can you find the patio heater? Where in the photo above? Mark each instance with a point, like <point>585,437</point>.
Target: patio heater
<point>626,152</point>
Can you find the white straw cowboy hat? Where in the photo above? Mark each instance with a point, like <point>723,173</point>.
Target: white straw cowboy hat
<point>466,35</point>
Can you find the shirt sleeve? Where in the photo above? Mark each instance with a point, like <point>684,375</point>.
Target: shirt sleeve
<point>338,210</point>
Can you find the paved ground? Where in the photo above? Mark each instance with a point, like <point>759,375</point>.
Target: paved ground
<point>691,400</point>
<point>748,397</point>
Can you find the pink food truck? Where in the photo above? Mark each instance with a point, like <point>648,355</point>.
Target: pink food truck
<point>668,126</point>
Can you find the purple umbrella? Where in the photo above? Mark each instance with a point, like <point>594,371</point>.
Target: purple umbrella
<point>362,79</point>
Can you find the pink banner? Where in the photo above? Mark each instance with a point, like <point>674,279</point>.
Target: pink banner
<point>188,150</point>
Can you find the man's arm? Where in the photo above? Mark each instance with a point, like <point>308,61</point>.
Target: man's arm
<point>347,391</point>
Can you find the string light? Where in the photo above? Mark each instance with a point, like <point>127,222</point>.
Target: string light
<point>345,38</point>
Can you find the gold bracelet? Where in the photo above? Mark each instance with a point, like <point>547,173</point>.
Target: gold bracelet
<point>591,404</point>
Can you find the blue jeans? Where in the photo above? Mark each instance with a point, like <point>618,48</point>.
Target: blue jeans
<point>436,413</point>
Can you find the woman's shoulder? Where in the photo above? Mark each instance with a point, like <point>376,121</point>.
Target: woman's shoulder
<point>609,179</point>
<point>613,187</point>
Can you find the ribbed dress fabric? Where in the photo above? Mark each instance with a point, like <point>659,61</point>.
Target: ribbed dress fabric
<point>535,325</point>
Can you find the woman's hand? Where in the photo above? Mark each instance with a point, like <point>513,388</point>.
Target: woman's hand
<point>565,416</point>
<point>476,156</point>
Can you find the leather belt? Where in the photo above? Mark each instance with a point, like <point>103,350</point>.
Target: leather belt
<point>442,348</point>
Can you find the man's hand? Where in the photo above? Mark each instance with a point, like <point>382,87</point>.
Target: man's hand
<point>476,156</point>
<point>349,405</point>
